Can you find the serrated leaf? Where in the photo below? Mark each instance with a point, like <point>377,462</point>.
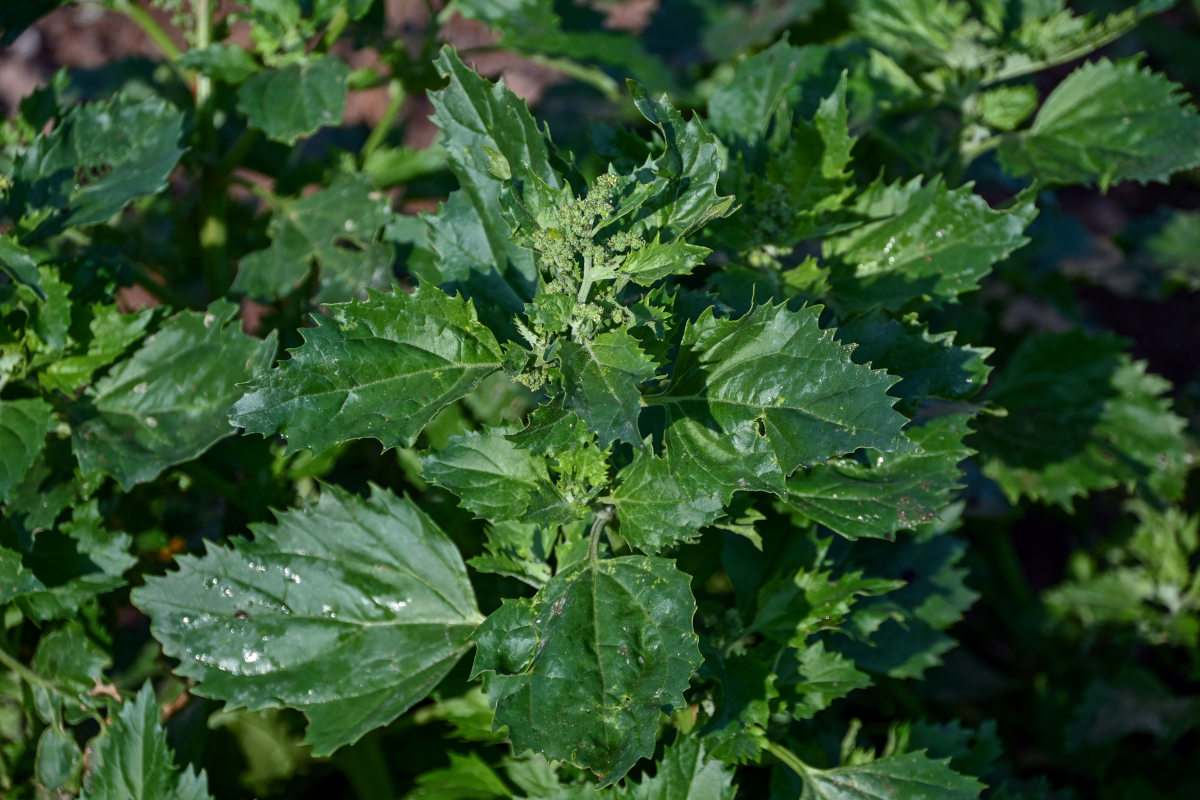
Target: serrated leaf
<point>741,110</point>
<point>23,428</point>
<point>600,384</point>
<point>467,778</point>
<point>379,368</point>
<point>168,402</point>
<point>551,429</point>
<point>876,496</point>
<point>922,240</point>
<point>494,478</point>
<point>1082,417</point>
<point>20,265</point>
<point>658,505</point>
<point>929,365</point>
<point>686,772</point>
<point>351,628</point>
<point>295,100</point>
<point>518,550</point>
<point>912,776</point>
<point>336,230</point>
<point>468,232</point>
<point>99,157</point>
<point>131,759</point>
<point>1106,123</point>
<point>229,63</point>
<point>793,608</point>
<point>620,632</point>
<point>778,367</point>
<point>656,261</point>
<point>689,169</point>
<point>736,731</point>
<point>822,676</point>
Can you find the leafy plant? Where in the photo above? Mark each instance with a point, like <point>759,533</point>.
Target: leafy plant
<point>696,432</point>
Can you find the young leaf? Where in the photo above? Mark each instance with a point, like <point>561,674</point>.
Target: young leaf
<point>741,111</point>
<point>379,368</point>
<point>685,771</point>
<point>600,382</point>
<point>912,776</point>
<point>295,100</point>
<point>1108,123</point>
<point>822,676</point>
<point>337,230</point>
<point>112,333</point>
<point>98,158</point>
<point>880,495</point>
<point>582,671</point>
<point>23,428</point>
<point>922,240</point>
<point>20,265</point>
<point>169,401</point>
<point>350,610</point>
<point>131,759</point>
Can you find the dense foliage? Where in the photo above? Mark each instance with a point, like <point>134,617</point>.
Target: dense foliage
<point>756,416</point>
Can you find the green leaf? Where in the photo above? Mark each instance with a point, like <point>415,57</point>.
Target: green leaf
<point>600,383</point>
<point>131,759</point>
<point>98,158</point>
<point>736,730</point>
<point>1108,123</point>
<point>379,368</point>
<point>877,495</point>
<point>685,771</point>
<point>23,428</point>
<point>20,265</point>
<point>350,610</point>
<point>467,778</point>
<point>912,776</point>
<point>1175,250</point>
<point>689,169</point>
<point>779,368</point>
<point>656,261</point>
<point>822,677</point>
<point>518,550</point>
<point>169,401</point>
<point>295,100</point>
<point>741,110</point>
<point>1082,417</point>
<point>469,232</point>
<point>495,479</point>
<point>58,757</point>
<point>929,365</point>
<point>582,671</point>
<point>658,504</point>
<point>921,240</point>
<point>229,63</point>
<point>812,600</point>
<point>337,229</point>
<point>112,333</point>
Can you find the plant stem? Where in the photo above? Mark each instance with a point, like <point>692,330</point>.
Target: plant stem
<point>236,153</point>
<point>602,518</point>
<point>213,234</point>
<point>33,679</point>
<point>367,771</point>
<point>396,99</point>
<point>144,20</point>
<point>787,758</point>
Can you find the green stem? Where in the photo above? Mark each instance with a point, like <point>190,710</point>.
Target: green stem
<point>144,20</point>
<point>367,771</point>
<point>602,518</point>
<point>334,29</point>
<point>396,99</point>
<point>1003,559</point>
<point>585,286</point>
<point>787,758</point>
<point>234,156</point>
<point>213,233</point>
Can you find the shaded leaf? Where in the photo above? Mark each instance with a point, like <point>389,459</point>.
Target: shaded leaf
<point>23,428</point>
<point>912,776</point>
<point>822,676</point>
<point>685,771</point>
<point>295,100</point>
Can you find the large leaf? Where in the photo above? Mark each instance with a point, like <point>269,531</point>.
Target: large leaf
<point>469,232</point>
<point>23,428</point>
<point>582,671</point>
<point>912,776</point>
<point>1108,123</point>
<point>98,158</point>
<point>350,610</point>
<point>131,759</point>
<point>337,230</point>
<point>600,382</point>
<point>294,100</point>
<point>878,495</point>
<point>169,401</point>
<point>379,368</point>
<point>921,240</point>
<point>778,367</point>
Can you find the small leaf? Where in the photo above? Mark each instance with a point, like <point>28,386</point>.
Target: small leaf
<point>112,334</point>
<point>912,776</point>
<point>351,627</point>
<point>131,759</point>
<point>656,261</point>
<point>822,677</point>
<point>295,100</point>
<point>229,63</point>
<point>582,671</point>
<point>1108,123</point>
<point>20,265</point>
<point>169,401</point>
<point>23,428</point>
<point>600,383</point>
<point>379,368</point>
<point>685,771</point>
